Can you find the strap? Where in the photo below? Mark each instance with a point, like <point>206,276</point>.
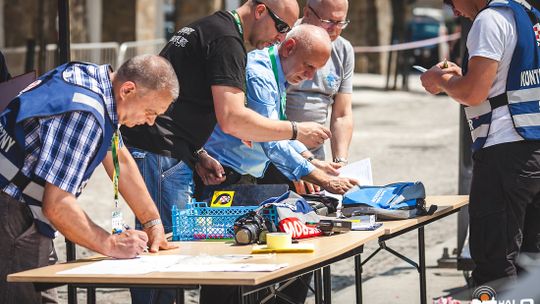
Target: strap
<point>282,95</point>
<point>498,101</point>
<point>116,163</point>
<point>238,22</point>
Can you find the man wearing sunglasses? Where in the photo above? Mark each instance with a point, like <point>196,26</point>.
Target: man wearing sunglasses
<point>331,87</point>
<point>500,89</point>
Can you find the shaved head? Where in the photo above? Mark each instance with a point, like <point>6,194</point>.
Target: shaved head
<point>333,10</point>
<point>310,38</point>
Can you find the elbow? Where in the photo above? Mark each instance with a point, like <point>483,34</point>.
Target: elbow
<point>229,128</point>
<point>471,99</point>
<point>49,211</point>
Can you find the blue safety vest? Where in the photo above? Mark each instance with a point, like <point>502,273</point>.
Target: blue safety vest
<point>49,95</point>
<point>523,83</point>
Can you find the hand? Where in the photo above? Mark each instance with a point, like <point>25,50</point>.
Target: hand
<point>328,167</point>
<point>432,78</point>
<point>339,185</point>
<point>127,244</point>
<point>210,170</point>
<point>157,239</point>
<point>303,187</point>
<point>312,134</point>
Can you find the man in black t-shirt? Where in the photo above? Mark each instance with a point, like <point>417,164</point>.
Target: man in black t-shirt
<point>209,58</point>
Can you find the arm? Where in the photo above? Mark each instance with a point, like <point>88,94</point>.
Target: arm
<point>333,184</point>
<point>341,125</point>
<point>132,187</point>
<point>62,210</point>
<point>237,120</point>
<point>470,89</point>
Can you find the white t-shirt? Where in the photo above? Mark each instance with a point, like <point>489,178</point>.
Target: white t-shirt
<point>493,35</point>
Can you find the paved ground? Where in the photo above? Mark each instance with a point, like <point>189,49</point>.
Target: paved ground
<point>408,136</point>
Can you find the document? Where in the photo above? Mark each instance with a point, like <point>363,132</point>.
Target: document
<point>173,263</point>
<point>359,170</point>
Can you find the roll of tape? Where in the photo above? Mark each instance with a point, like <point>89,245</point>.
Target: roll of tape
<point>278,240</point>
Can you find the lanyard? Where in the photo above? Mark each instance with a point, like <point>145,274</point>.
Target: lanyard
<point>282,95</point>
<point>117,218</point>
<point>238,22</point>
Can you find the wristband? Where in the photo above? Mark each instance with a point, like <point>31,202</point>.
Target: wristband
<point>198,153</point>
<point>151,223</point>
<point>294,130</point>
<point>310,159</point>
<point>340,160</point>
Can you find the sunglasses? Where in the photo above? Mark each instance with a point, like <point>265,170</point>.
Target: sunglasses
<point>449,2</point>
<point>328,23</point>
<point>281,26</point>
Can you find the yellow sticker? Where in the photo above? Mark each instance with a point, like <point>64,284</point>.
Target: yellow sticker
<point>222,199</point>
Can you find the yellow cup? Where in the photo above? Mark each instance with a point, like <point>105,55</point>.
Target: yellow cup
<point>278,240</point>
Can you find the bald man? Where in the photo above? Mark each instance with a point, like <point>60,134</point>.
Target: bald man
<point>331,87</point>
<point>306,49</point>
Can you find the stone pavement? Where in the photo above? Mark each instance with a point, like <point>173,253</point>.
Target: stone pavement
<point>408,136</point>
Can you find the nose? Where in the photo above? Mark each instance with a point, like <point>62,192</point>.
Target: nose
<point>280,37</point>
<point>309,74</point>
<point>150,120</point>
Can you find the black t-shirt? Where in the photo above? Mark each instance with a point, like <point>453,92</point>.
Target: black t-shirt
<point>208,52</point>
<point>4,74</point>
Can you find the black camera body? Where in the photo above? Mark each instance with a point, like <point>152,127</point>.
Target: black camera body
<point>329,227</point>
<point>252,228</point>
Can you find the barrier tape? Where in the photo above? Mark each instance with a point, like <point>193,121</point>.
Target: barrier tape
<point>407,45</point>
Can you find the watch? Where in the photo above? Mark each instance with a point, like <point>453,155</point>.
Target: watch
<point>341,160</point>
<point>151,223</point>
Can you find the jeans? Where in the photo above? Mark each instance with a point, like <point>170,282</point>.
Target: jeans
<point>170,182</point>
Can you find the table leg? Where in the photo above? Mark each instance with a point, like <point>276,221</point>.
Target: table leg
<point>72,294</point>
<point>318,286</point>
<point>241,298</point>
<point>179,296</point>
<point>422,265</point>
<point>91,295</point>
<point>358,277</point>
<point>327,285</point>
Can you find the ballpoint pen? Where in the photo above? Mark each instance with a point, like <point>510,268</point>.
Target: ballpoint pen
<point>445,64</point>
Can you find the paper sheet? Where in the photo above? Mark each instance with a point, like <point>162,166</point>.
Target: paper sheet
<point>359,170</point>
<point>173,263</point>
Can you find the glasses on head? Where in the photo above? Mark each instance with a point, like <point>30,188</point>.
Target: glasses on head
<point>328,23</point>
<point>449,2</point>
<point>281,26</point>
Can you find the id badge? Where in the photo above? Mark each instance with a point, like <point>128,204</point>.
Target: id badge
<point>117,222</point>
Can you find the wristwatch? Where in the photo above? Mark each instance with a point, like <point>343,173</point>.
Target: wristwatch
<point>341,160</point>
<point>151,223</point>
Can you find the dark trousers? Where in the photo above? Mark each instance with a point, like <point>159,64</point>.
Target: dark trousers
<point>23,248</point>
<point>504,210</point>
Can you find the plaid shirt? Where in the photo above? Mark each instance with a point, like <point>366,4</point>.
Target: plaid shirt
<point>59,148</point>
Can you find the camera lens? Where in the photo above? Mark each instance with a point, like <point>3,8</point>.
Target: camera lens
<point>246,234</point>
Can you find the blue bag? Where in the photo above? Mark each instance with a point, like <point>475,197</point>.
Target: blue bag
<point>393,201</point>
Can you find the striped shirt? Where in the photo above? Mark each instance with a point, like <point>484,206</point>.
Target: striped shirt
<point>60,148</point>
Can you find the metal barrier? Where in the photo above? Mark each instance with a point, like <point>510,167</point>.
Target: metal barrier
<point>111,53</point>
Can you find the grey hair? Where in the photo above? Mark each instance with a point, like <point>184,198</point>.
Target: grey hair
<point>307,36</point>
<point>151,72</point>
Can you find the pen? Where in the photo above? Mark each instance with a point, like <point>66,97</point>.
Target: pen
<point>445,64</point>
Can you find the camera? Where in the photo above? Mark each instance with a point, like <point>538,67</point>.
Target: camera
<point>252,228</point>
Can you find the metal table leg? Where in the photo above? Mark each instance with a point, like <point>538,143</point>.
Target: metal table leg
<point>422,265</point>
<point>327,285</point>
<point>91,295</point>
<point>318,286</point>
<point>358,277</point>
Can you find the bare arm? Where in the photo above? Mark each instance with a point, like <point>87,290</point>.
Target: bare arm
<point>132,187</point>
<point>237,120</point>
<point>333,184</point>
<point>470,89</point>
<point>341,125</point>
<point>62,210</point>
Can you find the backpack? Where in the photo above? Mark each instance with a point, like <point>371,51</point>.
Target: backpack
<point>393,201</point>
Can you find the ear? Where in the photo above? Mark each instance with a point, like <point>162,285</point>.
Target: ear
<point>288,47</point>
<point>259,10</point>
<point>306,12</point>
<point>127,88</point>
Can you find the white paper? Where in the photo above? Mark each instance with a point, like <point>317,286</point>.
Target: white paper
<point>173,263</point>
<point>359,170</point>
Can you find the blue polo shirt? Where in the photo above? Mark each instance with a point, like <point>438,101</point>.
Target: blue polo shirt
<point>263,96</point>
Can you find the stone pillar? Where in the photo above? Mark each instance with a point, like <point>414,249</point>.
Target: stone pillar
<point>118,20</point>
<point>149,20</point>
<point>77,21</point>
<point>94,17</point>
<point>188,11</point>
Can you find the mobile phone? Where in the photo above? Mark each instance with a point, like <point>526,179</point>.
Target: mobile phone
<point>421,69</point>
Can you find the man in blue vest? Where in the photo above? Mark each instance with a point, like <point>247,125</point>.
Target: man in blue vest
<point>500,89</point>
<point>52,137</point>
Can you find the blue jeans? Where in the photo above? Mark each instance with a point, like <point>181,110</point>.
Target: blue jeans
<point>170,182</point>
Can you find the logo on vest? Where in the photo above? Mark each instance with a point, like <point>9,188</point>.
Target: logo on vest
<point>469,121</point>
<point>6,142</point>
<point>536,29</point>
<point>530,77</point>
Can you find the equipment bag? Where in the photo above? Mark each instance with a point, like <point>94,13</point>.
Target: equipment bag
<point>393,201</point>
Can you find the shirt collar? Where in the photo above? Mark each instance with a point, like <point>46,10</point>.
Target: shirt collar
<point>103,77</point>
<point>282,85</point>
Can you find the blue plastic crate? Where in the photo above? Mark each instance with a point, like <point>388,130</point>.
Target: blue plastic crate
<point>198,221</point>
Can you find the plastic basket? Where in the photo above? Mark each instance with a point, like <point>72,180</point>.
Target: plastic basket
<point>198,221</point>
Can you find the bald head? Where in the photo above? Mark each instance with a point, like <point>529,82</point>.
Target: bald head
<point>305,50</point>
<point>333,10</point>
<point>288,10</point>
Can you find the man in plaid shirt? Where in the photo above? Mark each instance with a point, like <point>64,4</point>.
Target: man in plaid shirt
<point>52,137</point>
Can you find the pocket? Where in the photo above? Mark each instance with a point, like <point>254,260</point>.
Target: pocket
<point>137,153</point>
<point>180,169</point>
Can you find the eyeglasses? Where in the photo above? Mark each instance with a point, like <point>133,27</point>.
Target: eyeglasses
<point>281,26</point>
<point>328,23</point>
<point>449,2</point>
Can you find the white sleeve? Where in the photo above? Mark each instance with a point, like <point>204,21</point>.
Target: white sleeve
<point>490,33</point>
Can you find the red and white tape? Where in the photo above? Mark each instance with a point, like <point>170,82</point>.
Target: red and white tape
<point>407,45</point>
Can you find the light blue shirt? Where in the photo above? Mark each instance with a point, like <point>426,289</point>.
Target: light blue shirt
<point>264,97</point>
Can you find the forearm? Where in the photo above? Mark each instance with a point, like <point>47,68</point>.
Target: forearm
<point>67,216</point>
<point>246,124</point>
<point>132,187</point>
<point>342,128</point>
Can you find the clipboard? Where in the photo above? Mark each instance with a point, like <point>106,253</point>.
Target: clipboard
<point>11,88</point>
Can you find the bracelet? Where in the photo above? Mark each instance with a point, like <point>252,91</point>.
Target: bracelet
<point>310,159</point>
<point>294,130</point>
<point>198,153</point>
<point>151,223</point>
<point>340,160</point>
